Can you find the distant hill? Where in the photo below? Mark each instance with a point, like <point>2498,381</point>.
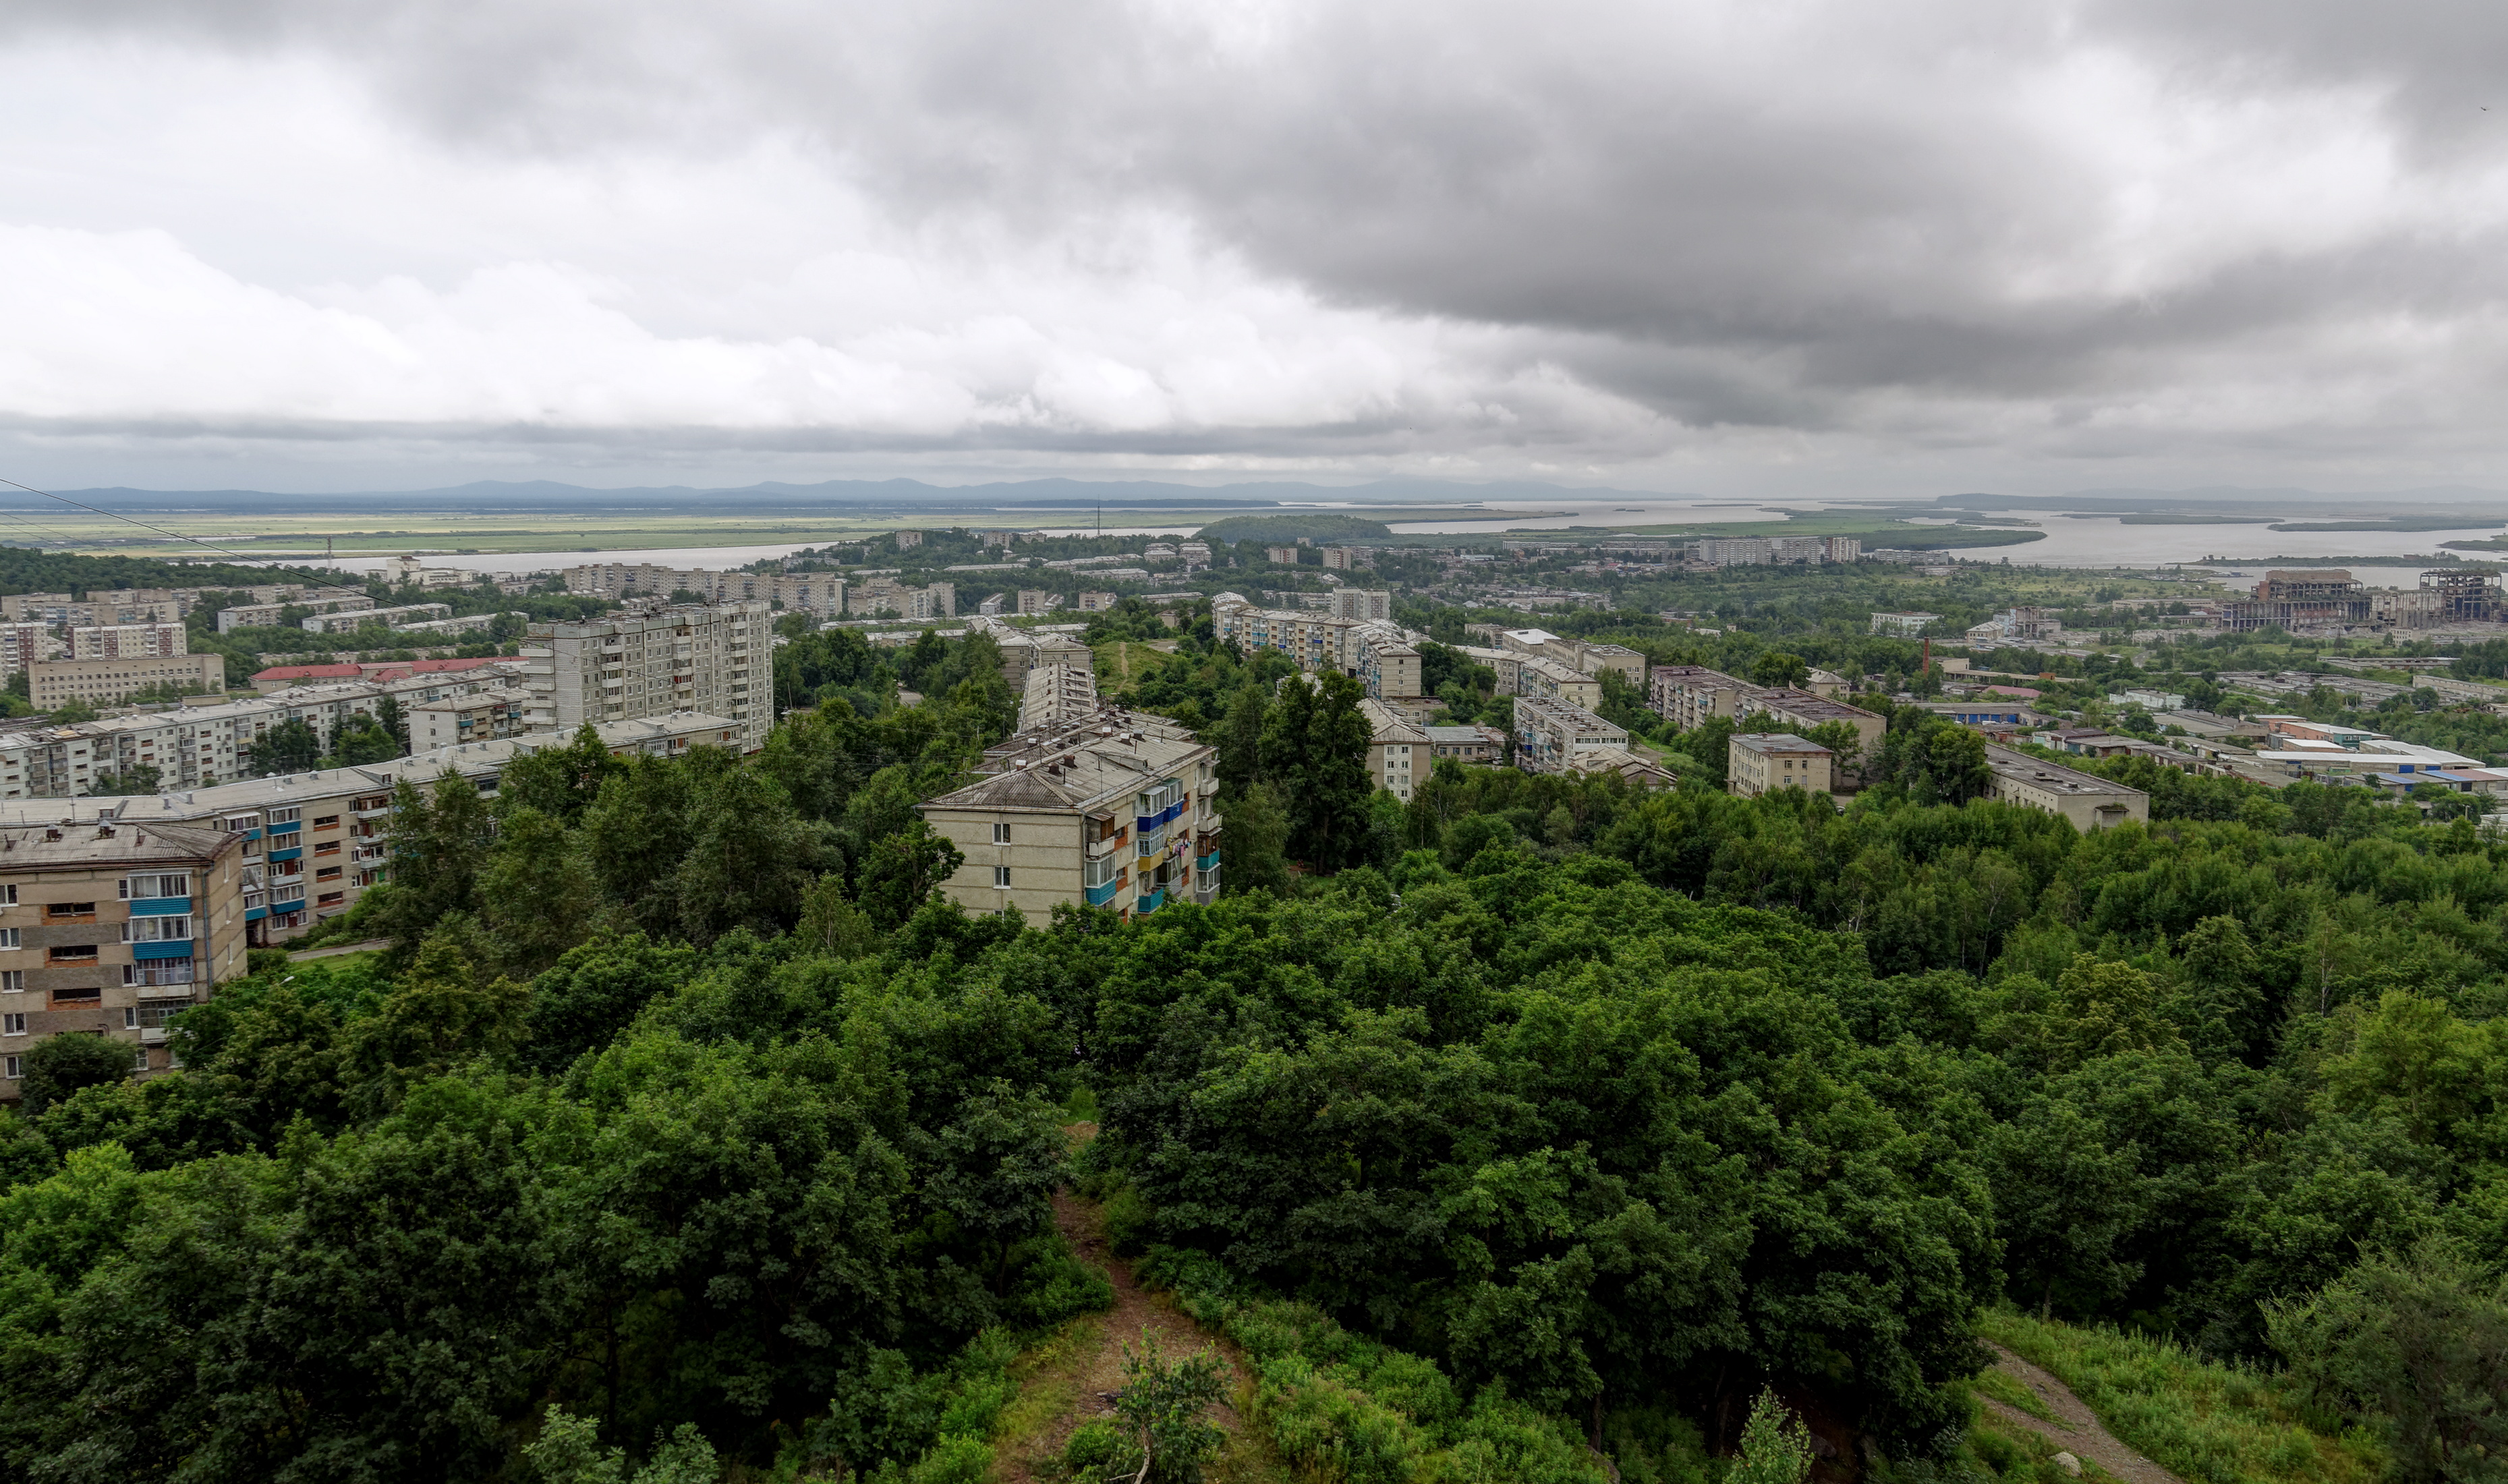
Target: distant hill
<point>1290,525</point>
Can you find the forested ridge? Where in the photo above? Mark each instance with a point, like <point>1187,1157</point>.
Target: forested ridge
<point>679,1122</point>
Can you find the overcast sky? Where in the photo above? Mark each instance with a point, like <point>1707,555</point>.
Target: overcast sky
<point>1772,247</point>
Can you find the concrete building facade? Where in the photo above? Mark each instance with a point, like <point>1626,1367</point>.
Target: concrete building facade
<point>109,929</point>
<point>715,659</point>
<point>1086,805</point>
<point>1549,734</point>
<point>53,684</point>
<point>2087,802</point>
<point>1763,762</point>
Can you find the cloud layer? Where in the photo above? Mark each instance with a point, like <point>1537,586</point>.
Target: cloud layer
<point>1931,237</point>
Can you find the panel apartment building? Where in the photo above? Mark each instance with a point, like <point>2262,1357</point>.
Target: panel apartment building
<point>108,929</point>
<point>312,843</point>
<point>1087,803</point>
<point>818,593</point>
<point>1688,695</point>
<point>1354,634</point>
<point>716,659</point>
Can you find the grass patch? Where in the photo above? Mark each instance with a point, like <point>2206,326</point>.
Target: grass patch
<point>2012,1392</point>
<point>2208,1423</point>
<point>1048,1374</point>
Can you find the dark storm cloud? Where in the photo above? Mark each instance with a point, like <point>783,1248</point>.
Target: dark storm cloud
<point>1733,214</point>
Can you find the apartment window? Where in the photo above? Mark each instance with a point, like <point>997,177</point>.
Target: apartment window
<point>327,822</point>
<point>7,896</point>
<point>15,1068</point>
<point>139,1062</point>
<point>65,912</point>
<point>285,816</point>
<point>1001,833</point>
<point>13,1024</point>
<point>8,937</point>
<point>176,929</point>
<point>143,887</point>
<point>13,981</point>
<point>1001,876</point>
<point>75,954</point>
<point>130,1017</point>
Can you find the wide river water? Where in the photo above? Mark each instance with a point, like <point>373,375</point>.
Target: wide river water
<point>2068,541</point>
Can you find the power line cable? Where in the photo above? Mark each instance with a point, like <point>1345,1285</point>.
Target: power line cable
<point>232,556</point>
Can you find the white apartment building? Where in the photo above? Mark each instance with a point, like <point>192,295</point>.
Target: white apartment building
<point>1362,602</point>
<point>128,640</point>
<point>1398,753</point>
<point>918,605</point>
<point>818,593</point>
<point>350,622</point>
<point>267,614</point>
<point>1085,803</point>
<point>716,659</point>
<point>1551,736</point>
<point>25,644</point>
<point>1550,680</point>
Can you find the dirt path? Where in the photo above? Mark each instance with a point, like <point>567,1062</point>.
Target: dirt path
<point>2076,1431</point>
<point>1093,1375</point>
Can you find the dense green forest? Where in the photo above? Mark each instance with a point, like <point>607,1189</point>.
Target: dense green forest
<point>680,1120</point>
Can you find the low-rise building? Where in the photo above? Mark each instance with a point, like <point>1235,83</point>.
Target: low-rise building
<point>480,716</point>
<point>128,640</point>
<point>1549,734</point>
<point>109,929</point>
<point>1903,626</point>
<point>1467,744</point>
<point>1690,695</point>
<point>1397,751</point>
<point>2084,800</point>
<point>348,623</point>
<point>1087,803</point>
<point>272,613</point>
<point>1763,762</point>
<point>1553,681</point>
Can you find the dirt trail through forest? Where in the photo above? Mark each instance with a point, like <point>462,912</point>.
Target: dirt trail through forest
<point>1095,1372</point>
<point>2076,1431</point>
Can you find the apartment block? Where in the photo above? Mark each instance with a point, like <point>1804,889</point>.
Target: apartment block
<point>128,640</point>
<point>1397,751</point>
<point>1363,604</point>
<point>1506,664</point>
<point>1387,663</point>
<point>350,622</point>
<point>1095,603</point>
<point>108,929</point>
<point>918,605</point>
<point>1575,653</point>
<point>1348,559</point>
<point>1550,680</point>
<point>1903,626</point>
<point>1285,556</point>
<point>482,716</point>
<point>267,614</point>
<point>53,684</point>
<point>1742,551</point>
<point>715,659</point>
<point>810,592</point>
<point>25,644</point>
<point>1550,735</point>
<point>908,539</point>
<point>2086,801</point>
<point>1763,762</point>
<point>1844,548</point>
<point>1087,803</point>
<point>1467,744</point>
<point>1689,695</point>
<point>1036,602</point>
<point>146,604</point>
<point>312,843</point>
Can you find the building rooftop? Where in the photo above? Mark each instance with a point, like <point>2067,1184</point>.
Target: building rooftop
<point>106,844</point>
<point>2020,768</point>
<point>1776,742</point>
<point>1086,764</point>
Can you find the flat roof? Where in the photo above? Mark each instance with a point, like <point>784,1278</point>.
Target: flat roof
<point>1776,742</point>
